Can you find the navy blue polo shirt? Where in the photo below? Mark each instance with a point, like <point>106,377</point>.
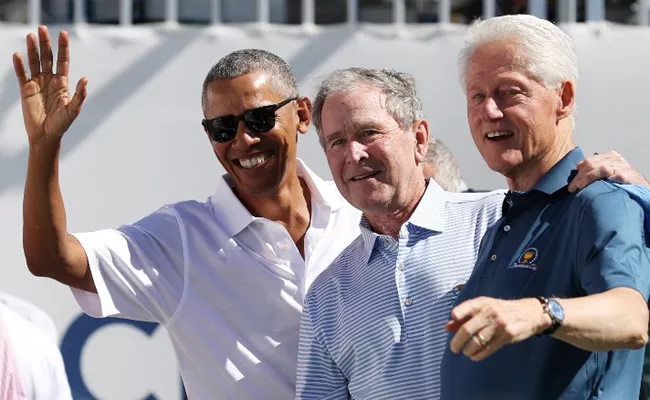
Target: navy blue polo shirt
<point>553,243</point>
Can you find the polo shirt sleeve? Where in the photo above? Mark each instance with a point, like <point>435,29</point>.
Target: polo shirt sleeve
<point>318,375</point>
<point>611,246</point>
<point>138,269</point>
<point>641,195</point>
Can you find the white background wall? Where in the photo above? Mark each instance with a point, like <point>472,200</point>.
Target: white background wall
<point>138,142</point>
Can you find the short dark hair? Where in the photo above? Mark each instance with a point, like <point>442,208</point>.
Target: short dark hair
<point>246,61</point>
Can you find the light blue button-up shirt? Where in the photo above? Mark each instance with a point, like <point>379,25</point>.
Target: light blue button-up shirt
<point>373,322</point>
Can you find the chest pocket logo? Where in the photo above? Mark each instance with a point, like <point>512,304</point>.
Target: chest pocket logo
<point>527,259</point>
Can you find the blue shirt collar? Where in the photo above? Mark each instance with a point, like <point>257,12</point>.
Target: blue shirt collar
<point>560,174</point>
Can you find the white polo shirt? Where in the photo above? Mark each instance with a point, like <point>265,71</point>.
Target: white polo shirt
<point>228,286</point>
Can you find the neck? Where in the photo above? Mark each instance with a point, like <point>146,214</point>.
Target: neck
<point>289,206</point>
<point>525,176</point>
<point>389,222</point>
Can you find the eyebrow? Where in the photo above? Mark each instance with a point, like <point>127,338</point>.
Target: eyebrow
<point>333,136</point>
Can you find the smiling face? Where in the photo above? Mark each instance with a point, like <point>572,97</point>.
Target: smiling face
<point>257,163</point>
<point>374,162</point>
<point>517,124</point>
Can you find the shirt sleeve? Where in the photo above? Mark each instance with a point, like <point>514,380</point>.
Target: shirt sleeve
<point>641,195</point>
<point>138,269</point>
<point>612,246</point>
<point>318,375</point>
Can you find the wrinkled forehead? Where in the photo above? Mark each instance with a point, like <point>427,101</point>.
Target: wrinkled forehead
<point>351,109</point>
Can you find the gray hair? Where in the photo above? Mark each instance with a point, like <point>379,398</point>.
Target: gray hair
<point>447,170</point>
<point>402,101</point>
<point>246,61</point>
<point>549,54</point>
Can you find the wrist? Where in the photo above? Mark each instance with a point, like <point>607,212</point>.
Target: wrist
<point>544,320</point>
<point>44,144</point>
<point>554,311</point>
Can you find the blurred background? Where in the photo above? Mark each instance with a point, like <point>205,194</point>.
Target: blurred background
<point>138,142</point>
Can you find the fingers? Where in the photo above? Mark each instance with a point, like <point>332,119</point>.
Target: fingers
<point>63,56</point>
<point>476,343</point>
<point>597,167</point>
<point>47,59</point>
<point>587,176</point>
<point>461,339</point>
<point>19,68</point>
<point>467,309</point>
<point>32,55</point>
<point>80,94</point>
<point>494,343</point>
<point>453,326</point>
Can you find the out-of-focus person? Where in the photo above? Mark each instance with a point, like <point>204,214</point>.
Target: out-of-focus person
<point>35,342</point>
<point>441,165</point>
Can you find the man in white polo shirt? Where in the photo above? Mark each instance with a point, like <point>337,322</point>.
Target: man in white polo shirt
<point>225,277</point>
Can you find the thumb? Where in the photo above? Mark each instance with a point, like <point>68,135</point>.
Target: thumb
<point>80,94</point>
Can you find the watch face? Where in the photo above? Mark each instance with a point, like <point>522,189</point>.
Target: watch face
<point>556,309</point>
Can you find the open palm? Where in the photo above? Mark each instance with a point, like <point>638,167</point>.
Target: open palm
<point>48,110</point>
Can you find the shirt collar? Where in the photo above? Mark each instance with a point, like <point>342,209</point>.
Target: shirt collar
<point>560,174</point>
<point>235,217</point>
<point>429,214</point>
<point>558,177</point>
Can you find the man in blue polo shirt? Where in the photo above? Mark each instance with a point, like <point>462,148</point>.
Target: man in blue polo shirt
<point>556,305</point>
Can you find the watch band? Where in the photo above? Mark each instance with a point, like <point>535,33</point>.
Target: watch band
<point>555,323</point>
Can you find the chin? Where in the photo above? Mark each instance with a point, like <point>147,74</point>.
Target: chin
<point>502,163</point>
<point>372,205</point>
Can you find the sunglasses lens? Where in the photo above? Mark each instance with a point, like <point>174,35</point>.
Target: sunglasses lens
<point>223,129</point>
<point>260,119</point>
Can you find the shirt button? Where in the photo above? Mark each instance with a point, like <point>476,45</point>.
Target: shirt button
<point>494,257</point>
<point>259,223</point>
<point>400,266</point>
<point>408,302</point>
<point>285,247</point>
<point>506,228</point>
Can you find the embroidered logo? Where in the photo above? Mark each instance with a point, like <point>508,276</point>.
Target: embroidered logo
<point>526,259</point>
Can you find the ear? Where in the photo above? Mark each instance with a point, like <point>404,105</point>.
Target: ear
<point>567,100</point>
<point>421,129</point>
<point>304,114</point>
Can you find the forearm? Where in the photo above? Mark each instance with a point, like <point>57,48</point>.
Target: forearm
<point>48,246</point>
<point>611,320</point>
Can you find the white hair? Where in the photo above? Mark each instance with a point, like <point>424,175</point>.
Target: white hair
<point>549,54</point>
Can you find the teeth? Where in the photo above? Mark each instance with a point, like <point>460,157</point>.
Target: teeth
<point>253,161</point>
<point>356,178</point>
<point>498,134</point>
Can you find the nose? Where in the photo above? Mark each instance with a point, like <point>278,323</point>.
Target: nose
<point>491,110</point>
<point>356,152</point>
<point>244,138</point>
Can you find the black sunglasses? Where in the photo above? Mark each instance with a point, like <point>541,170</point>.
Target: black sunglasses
<point>258,120</point>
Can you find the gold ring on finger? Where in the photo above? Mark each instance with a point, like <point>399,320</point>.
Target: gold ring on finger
<point>481,339</point>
